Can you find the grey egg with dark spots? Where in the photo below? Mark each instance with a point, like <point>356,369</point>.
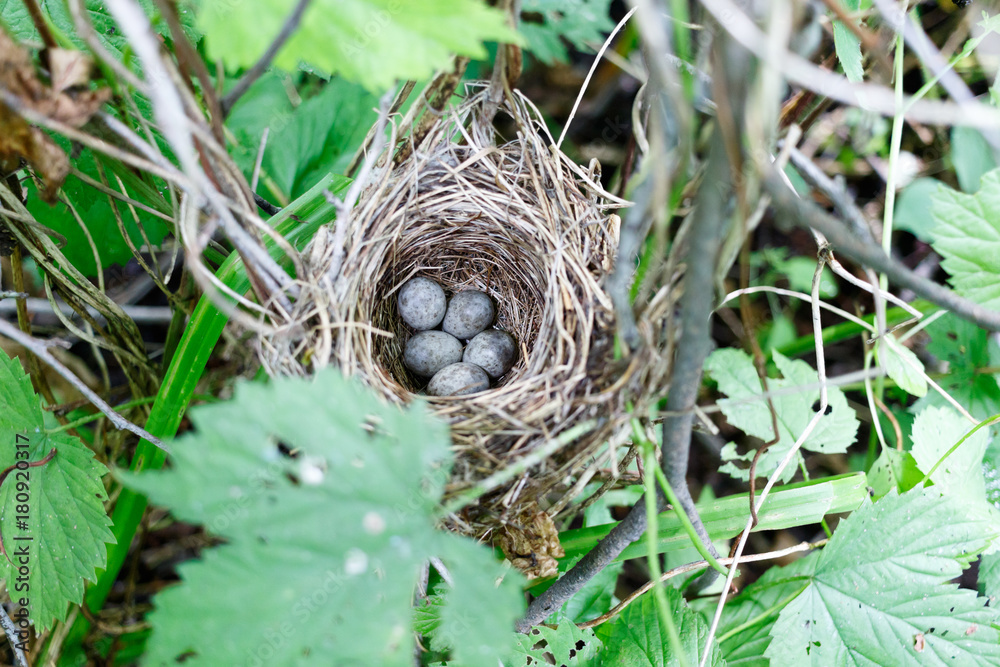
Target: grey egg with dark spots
<point>492,350</point>
<point>427,352</point>
<point>458,380</point>
<point>421,303</point>
<point>468,313</point>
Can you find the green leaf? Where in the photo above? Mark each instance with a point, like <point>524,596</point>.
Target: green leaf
<point>989,577</point>
<point>734,372</point>
<point>94,209</point>
<point>799,272</point>
<point>967,349</point>
<point>567,644</point>
<point>306,143</point>
<point>593,599</point>
<point>902,366</point>
<point>893,471</point>
<point>105,27</point>
<point>636,638</point>
<point>323,547</point>
<point>913,208</point>
<point>370,42</point>
<point>65,527</point>
<point>320,136</point>
<point>880,593</point>
<point>960,476</point>
<point>848,48</point>
<point>972,157</point>
<point>582,23</point>
<point>967,236</point>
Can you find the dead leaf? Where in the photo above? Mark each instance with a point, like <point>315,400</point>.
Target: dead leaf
<point>64,102</point>
<point>531,543</point>
<point>68,69</point>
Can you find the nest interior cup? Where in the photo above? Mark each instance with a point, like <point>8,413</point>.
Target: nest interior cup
<point>481,254</point>
<point>523,223</point>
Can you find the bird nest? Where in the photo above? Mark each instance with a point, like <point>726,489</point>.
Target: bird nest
<point>523,223</point>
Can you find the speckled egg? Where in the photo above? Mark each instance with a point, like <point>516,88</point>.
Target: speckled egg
<point>492,350</point>
<point>427,352</point>
<point>458,380</point>
<point>468,313</point>
<point>421,303</point>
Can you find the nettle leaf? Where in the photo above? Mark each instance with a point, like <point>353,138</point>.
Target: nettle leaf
<point>989,577</point>
<point>967,349</point>
<point>636,638</point>
<point>326,498</point>
<point>108,34</point>
<point>745,626</point>
<point>567,644</point>
<point>593,599</point>
<point>736,376</point>
<point>579,22</point>
<point>893,470</point>
<point>972,157</point>
<point>306,143</point>
<point>66,528</point>
<point>880,593</point>
<point>960,476</point>
<point>913,208</point>
<point>370,42</point>
<point>967,236</point>
<point>902,366</point>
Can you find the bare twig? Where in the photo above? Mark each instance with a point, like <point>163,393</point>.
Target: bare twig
<point>693,347</point>
<point>40,349</point>
<point>872,97</point>
<point>259,67</point>
<point>265,205</point>
<point>38,19</point>
<point>139,314</point>
<point>796,211</point>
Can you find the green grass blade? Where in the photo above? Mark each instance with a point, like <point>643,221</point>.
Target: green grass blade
<point>792,505</point>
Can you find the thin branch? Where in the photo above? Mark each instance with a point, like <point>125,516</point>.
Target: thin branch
<point>41,26</point>
<point>791,209</point>
<point>40,349</point>
<point>872,97</point>
<point>139,314</point>
<point>693,347</point>
<point>259,67</point>
<point>265,205</point>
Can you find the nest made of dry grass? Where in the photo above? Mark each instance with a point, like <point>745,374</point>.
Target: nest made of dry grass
<point>522,222</point>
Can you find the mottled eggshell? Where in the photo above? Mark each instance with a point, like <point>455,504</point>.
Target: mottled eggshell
<point>421,303</point>
<point>492,350</point>
<point>468,313</point>
<point>458,380</point>
<point>427,352</point>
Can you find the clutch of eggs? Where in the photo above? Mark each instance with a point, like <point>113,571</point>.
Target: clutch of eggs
<point>439,355</point>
